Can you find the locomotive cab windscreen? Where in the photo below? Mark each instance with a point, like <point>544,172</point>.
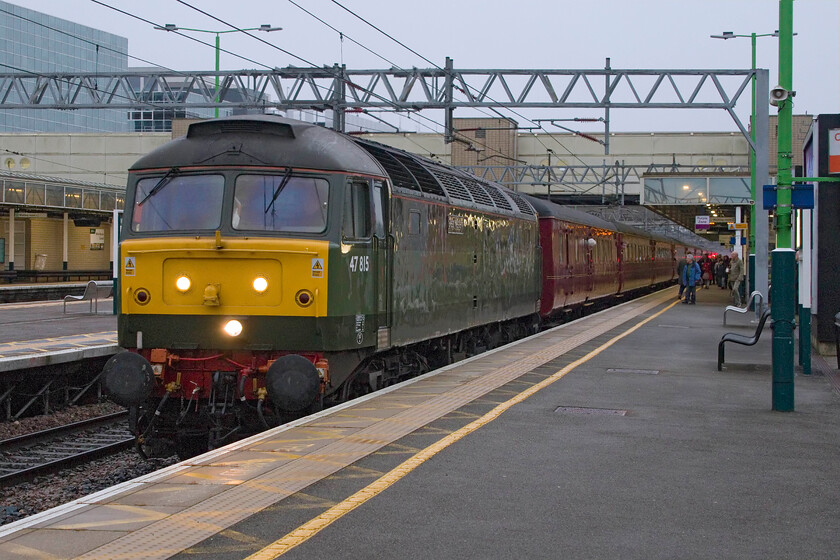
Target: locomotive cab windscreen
<point>283,202</point>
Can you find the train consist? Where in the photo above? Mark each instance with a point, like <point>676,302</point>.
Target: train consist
<point>270,267</point>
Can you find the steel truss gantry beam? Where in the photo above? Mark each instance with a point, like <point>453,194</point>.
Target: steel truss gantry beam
<point>582,179</point>
<point>339,89</point>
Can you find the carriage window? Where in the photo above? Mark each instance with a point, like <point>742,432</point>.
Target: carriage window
<point>357,211</point>
<point>173,203</point>
<point>280,203</point>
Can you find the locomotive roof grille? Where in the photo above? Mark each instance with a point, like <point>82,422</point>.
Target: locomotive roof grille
<point>209,128</point>
<point>412,172</point>
<point>452,185</point>
<point>424,178</point>
<point>477,191</point>
<point>497,196</point>
<point>523,206</point>
<point>400,176</point>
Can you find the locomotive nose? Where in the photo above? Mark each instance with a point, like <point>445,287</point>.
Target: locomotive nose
<point>292,382</point>
<point>128,379</point>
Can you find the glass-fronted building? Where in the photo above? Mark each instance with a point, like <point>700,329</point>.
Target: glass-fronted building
<point>36,43</point>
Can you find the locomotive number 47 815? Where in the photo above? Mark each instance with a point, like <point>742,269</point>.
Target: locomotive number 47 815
<point>360,263</point>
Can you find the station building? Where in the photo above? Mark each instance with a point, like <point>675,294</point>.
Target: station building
<point>59,189</point>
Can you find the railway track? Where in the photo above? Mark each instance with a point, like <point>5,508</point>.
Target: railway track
<point>24,457</point>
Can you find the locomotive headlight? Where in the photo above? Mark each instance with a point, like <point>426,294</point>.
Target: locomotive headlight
<point>183,283</point>
<point>260,284</point>
<point>233,328</point>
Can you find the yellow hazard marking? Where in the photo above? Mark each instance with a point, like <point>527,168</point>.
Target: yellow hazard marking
<point>317,268</point>
<point>316,525</point>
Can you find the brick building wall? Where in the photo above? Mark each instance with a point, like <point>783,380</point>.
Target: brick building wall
<point>484,142</point>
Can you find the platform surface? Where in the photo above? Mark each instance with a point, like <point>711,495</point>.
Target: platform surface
<point>37,333</point>
<point>614,436</point>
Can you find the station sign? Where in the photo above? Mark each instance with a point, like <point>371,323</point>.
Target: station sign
<point>834,150</point>
<point>736,227</point>
<point>701,222</point>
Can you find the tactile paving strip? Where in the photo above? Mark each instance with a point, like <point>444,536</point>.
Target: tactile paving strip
<point>316,449</point>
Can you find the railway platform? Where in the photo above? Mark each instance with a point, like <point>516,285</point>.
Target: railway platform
<point>40,333</point>
<point>612,436</point>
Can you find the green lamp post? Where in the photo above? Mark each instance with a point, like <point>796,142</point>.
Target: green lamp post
<point>753,36</point>
<point>172,27</point>
<point>782,258</point>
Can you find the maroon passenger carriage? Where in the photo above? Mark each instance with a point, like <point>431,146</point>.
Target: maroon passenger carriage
<point>588,260</point>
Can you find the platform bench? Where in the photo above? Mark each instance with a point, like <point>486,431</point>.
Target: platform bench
<point>94,291</point>
<point>741,339</point>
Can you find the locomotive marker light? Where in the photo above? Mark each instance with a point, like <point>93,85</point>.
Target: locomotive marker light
<point>233,328</point>
<point>260,284</point>
<point>304,298</point>
<point>183,284</point>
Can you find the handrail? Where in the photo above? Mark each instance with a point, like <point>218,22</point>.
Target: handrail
<point>753,296</point>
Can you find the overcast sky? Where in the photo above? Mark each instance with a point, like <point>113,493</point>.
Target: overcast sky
<point>572,34</point>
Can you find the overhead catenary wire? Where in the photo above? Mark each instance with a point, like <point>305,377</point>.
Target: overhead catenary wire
<point>326,69</point>
<point>342,34</point>
<point>354,14</point>
<point>246,32</point>
<point>194,39</point>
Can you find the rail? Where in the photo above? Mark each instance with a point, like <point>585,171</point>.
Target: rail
<point>756,295</point>
<point>50,450</point>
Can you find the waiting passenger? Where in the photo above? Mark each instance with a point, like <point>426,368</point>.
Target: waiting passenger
<point>736,274</point>
<point>680,268</point>
<point>691,276</point>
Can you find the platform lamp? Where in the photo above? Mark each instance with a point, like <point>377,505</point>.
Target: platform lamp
<point>753,36</point>
<point>172,27</point>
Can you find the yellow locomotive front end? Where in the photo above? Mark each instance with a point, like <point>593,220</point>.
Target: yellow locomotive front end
<point>221,313</point>
<point>224,279</point>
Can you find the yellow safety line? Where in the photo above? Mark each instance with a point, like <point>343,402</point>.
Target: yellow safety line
<point>316,525</point>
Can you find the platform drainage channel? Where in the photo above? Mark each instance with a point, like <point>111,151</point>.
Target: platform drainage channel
<point>590,411</point>
<point>642,371</point>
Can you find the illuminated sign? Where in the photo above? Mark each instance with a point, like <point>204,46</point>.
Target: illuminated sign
<point>834,151</point>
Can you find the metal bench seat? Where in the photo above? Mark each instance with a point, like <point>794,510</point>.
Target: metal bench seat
<point>741,339</point>
<point>94,291</point>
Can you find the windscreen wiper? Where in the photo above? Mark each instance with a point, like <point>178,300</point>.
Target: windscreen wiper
<point>279,188</point>
<point>162,182</point>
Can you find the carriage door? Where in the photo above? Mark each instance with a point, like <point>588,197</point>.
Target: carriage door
<point>382,255</point>
<point>591,255</point>
<point>653,262</point>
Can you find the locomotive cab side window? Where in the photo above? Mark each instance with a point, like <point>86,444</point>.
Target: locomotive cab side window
<point>380,206</point>
<point>357,222</point>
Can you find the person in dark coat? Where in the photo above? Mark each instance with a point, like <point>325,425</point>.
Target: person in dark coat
<point>691,276</point>
<point>680,268</point>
